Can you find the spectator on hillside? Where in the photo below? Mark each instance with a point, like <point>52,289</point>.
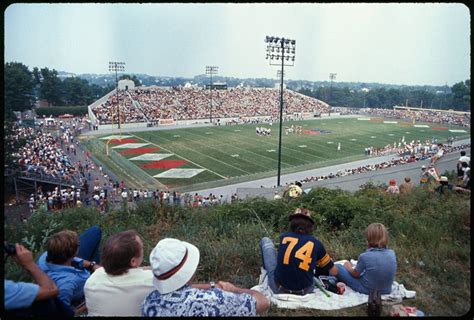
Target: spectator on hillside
<point>70,264</point>
<point>26,299</point>
<point>375,268</point>
<point>120,286</point>
<point>424,176</point>
<point>174,264</point>
<point>287,273</point>
<point>406,186</point>
<point>393,188</point>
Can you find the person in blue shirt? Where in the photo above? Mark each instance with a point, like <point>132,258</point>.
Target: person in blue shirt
<point>26,299</point>
<point>69,260</point>
<point>375,268</point>
<point>300,257</point>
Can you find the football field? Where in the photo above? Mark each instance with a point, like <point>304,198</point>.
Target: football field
<point>197,158</point>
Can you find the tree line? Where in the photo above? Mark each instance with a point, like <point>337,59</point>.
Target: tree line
<point>24,87</point>
<point>457,98</point>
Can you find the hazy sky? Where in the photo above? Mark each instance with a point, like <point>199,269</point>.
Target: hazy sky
<point>388,43</point>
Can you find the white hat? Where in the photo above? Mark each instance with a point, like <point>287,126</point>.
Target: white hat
<point>443,178</point>
<point>423,167</point>
<point>173,263</point>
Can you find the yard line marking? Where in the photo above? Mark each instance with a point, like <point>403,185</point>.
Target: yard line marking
<point>330,142</point>
<point>391,134</point>
<point>179,173</point>
<point>176,136</point>
<point>457,131</point>
<point>353,139</point>
<point>421,126</point>
<point>271,150</point>
<point>237,130</point>
<point>245,150</point>
<point>114,137</point>
<point>373,137</point>
<point>130,145</point>
<point>183,157</point>
<point>151,157</point>
<point>407,132</point>
<point>390,122</point>
<point>234,155</point>
<point>363,119</point>
<point>302,146</point>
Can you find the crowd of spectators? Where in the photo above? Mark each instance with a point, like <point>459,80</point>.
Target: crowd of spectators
<point>446,118</point>
<point>108,111</point>
<point>178,103</point>
<point>382,165</point>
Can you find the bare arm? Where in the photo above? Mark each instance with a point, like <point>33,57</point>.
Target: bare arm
<point>48,288</point>
<point>351,270</point>
<point>263,304</point>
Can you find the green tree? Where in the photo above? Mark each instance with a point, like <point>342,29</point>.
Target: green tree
<point>50,87</point>
<point>76,92</point>
<point>18,85</point>
<point>461,95</point>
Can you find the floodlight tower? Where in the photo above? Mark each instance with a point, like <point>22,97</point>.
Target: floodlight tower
<point>284,49</point>
<point>332,76</point>
<point>210,70</point>
<point>115,66</point>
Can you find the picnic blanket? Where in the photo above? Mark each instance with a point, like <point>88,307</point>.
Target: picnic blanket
<point>318,300</point>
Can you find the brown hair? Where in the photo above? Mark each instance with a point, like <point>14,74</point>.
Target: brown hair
<point>62,246</point>
<point>118,251</point>
<point>407,179</point>
<point>376,235</point>
<point>301,225</point>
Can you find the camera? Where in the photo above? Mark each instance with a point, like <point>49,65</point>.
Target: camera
<point>9,248</point>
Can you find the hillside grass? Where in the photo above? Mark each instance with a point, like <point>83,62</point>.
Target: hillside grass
<point>233,154</point>
<point>430,235</point>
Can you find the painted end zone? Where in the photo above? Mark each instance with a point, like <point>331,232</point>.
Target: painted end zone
<point>439,128</point>
<point>311,132</point>
<point>118,141</point>
<point>179,173</point>
<point>164,164</point>
<point>139,150</point>
<point>376,120</point>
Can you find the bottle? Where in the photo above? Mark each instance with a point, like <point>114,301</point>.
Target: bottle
<point>374,304</point>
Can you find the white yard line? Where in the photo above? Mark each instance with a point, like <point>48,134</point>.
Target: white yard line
<point>183,157</point>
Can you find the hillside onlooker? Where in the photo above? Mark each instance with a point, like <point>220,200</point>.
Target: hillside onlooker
<point>393,188</point>
<point>299,258</point>
<point>406,186</point>
<point>120,286</point>
<point>375,268</point>
<point>174,264</point>
<point>25,299</point>
<point>70,264</point>
<point>462,159</point>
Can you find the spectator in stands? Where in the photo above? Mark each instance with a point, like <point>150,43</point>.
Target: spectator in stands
<point>406,186</point>
<point>375,268</point>
<point>174,264</point>
<point>287,272</point>
<point>120,286</point>
<point>26,299</point>
<point>70,264</point>
<point>393,188</point>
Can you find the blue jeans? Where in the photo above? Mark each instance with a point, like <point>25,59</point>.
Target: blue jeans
<point>89,242</point>
<point>354,283</point>
<point>269,261</point>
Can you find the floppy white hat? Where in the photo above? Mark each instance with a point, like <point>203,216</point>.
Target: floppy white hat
<point>173,263</point>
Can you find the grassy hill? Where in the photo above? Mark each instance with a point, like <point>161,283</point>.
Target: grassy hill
<point>430,235</point>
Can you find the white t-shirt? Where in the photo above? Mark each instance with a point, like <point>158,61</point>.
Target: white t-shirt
<point>108,295</point>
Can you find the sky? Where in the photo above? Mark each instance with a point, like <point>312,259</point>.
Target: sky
<point>412,44</point>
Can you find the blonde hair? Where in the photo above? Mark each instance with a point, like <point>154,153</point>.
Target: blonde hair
<point>376,235</point>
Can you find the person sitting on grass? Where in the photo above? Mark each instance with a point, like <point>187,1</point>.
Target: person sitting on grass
<point>69,260</point>
<point>393,188</point>
<point>300,257</point>
<point>174,264</point>
<point>376,267</point>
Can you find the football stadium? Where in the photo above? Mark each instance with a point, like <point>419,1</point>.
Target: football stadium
<point>165,187</point>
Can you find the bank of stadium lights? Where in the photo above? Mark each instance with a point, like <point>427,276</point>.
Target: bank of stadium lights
<point>280,52</point>
<point>115,66</point>
<point>210,70</point>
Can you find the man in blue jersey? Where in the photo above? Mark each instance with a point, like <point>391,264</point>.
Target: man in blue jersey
<point>300,257</point>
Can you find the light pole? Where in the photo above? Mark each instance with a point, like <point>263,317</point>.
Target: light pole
<point>284,49</point>
<point>115,66</point>
<point>210,70</point>
<point>332,76</point>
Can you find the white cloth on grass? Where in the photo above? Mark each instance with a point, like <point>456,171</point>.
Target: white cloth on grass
<point>318,300</point>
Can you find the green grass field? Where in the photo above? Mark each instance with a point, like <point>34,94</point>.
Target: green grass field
<point>231,154</point>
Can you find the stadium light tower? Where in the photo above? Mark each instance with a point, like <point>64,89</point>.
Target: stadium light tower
<point>332,77</point>
<point>284,49</point>
<point>210,70</point>
<point>115,66</point>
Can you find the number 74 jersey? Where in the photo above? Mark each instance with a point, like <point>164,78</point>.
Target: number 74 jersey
<point>298,256</point>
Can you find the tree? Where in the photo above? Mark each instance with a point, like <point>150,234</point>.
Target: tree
<point>50,87</point>
<point>133,78</point>
<point>18,82</point>
<point>461,95</point>
<point>76,92</point>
